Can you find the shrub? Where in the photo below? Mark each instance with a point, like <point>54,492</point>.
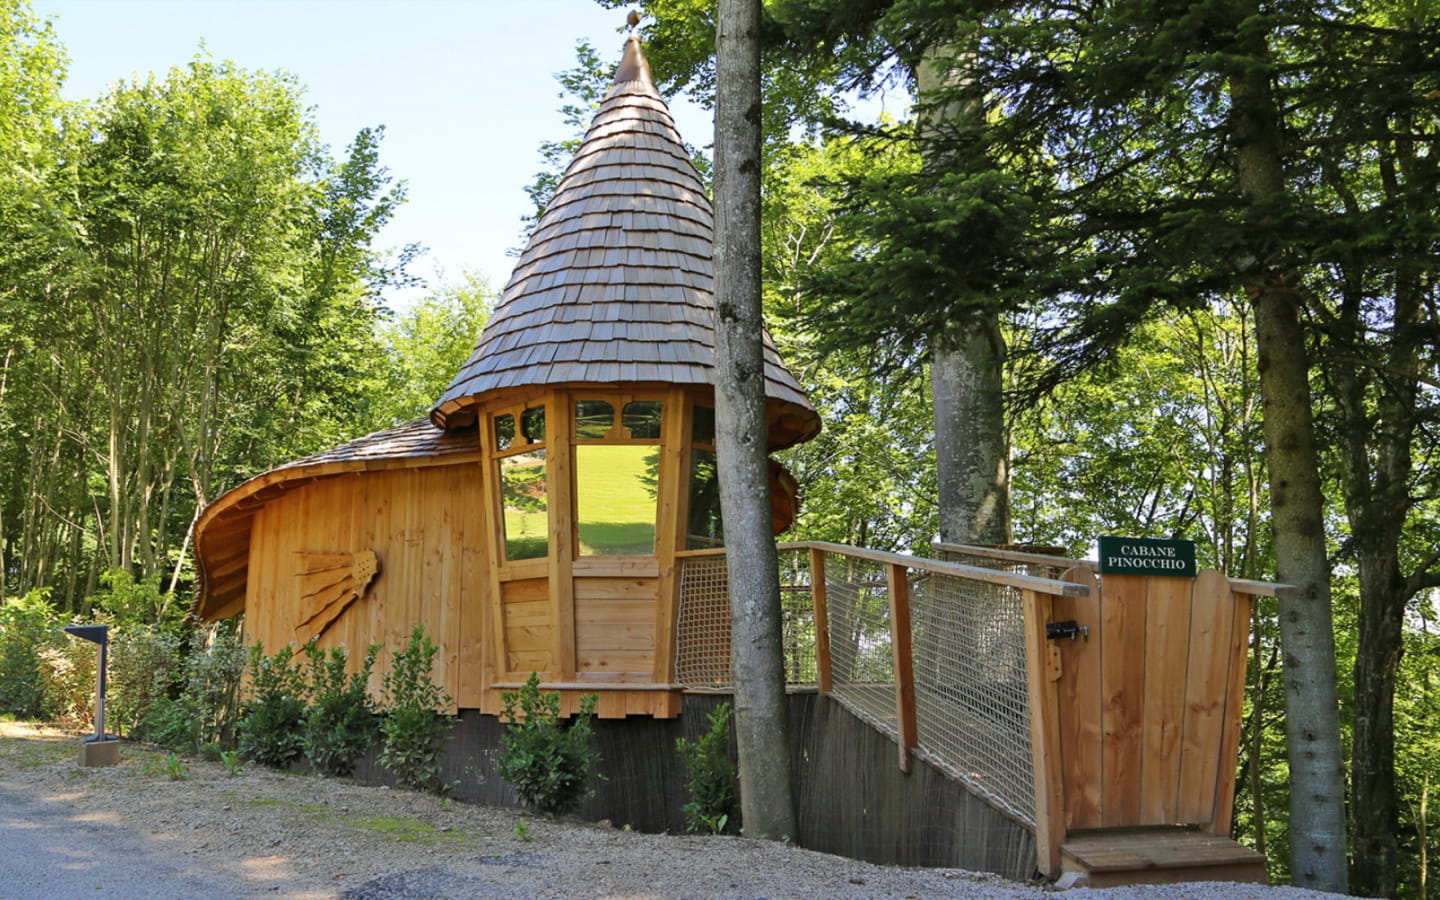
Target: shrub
<point>28,625</point>
<point>341,723</point>
<point>547,763</point>
<point>206,710</point>
<point>68,668</point>
<point>411,730</point>
<point>272,722</point>
<point>213,671</point>
<point>146,669</point>
<point>711,780</point>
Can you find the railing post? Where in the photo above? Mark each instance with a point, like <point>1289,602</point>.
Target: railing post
<point>904,660</point>
<point>822,620</point>
<point>1041,674</point>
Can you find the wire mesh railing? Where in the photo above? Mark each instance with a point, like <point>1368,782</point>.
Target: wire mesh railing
<point>931,652</point>
<point>970,687</point>
<point>702,653</point>
<point>862,649</point>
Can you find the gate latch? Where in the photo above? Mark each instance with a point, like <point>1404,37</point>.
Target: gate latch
<point>1067,629</point>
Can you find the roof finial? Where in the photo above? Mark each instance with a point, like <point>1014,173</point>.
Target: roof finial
<point>633,66</point>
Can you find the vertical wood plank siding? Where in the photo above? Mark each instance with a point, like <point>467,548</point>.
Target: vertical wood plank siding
<point>415,521</point>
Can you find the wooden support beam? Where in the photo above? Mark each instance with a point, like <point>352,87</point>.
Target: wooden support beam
<point>904,660</point>
<point>822,621</point>
<point>1044,735</point>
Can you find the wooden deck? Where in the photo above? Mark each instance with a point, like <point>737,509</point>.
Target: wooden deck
<point>1119,856</point>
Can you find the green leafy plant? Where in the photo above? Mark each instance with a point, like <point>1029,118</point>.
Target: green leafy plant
<point>341,723</point>
<point>146,665</point>
<point>132,603</point>
<point>28,624</point>
<point>230,759</point>
<point>272,722</point>
<point>177,687</point>
<point>522,830</point>
<point>175,768</point>
<point>547,763</point>
<point>171,765</point>
<point>711,780</point>
<point>412,731</point>
<point>68,668</point>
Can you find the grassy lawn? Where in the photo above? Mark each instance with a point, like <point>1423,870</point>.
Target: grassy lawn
<point>615,498</point>
<point>615,486</point>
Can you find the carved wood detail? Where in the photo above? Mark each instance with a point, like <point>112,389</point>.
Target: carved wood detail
<point>330,583</point>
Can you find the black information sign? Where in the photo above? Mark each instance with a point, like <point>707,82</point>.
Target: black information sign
<point>1146,556</point>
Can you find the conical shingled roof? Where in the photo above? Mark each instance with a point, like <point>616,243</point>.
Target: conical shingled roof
<point>617,284</point>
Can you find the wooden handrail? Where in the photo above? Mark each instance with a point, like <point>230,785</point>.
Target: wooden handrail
<point>959,570</point>
<point>1262,588</point>
<point>1018,556</point>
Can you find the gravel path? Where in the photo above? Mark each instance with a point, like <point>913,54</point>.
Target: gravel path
<point>132,830</point>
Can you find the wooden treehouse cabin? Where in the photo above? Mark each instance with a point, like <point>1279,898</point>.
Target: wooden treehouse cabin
<point>533,523</point>
<point>558,514</point>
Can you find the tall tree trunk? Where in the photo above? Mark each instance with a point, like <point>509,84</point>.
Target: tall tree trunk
<point>1312,723</point>
<point>1379,418</point>
<point>761,727</point>
<point>972,451</point>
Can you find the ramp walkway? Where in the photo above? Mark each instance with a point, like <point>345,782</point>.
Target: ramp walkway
<point>1100,713</point>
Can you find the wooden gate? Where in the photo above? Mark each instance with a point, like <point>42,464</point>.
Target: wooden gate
<point>1137,718</point>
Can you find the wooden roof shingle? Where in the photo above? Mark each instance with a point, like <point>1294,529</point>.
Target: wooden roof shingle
<point>617,282</point>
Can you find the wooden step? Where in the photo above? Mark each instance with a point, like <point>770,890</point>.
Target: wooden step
<point>1118,856</point>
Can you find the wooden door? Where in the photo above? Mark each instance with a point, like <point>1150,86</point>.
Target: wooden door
<point>1149,702</point>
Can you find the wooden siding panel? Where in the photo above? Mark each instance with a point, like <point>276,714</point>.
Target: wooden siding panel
<point>1080,703</point>
<point>1122,695</point>
<point>1211,621</point>
<point>1242,607</point>
<point>615,625</point>
<point>528,626</point>
<point>1167,647</point>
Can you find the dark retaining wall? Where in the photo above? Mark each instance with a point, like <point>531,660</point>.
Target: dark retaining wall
<point>853,799</point>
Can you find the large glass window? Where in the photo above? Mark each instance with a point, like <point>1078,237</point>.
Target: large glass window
<point>617,474</point>
<point>704,527</point>
<point>523,490</point>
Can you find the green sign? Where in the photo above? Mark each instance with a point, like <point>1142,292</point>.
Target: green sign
<point>1146,556</point>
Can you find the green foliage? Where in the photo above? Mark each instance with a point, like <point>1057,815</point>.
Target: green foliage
<point>171,766</point>
<point>190,296</point>
<point>273,719</point>
<point>341,723</point>
<point>28,625</point>
<point>194,703</point>
<point>547,762</point>
<point>232,762</point>
<point>133,602</point>
<point>146,668</point>
<point>68,668</point>
<point>411,728</point>
<point>711,778</point>
<point>175,768</point>
<point>523,830</point>
<point>426,345</point>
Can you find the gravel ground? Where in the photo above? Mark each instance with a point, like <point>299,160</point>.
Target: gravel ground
<point>266,834</point>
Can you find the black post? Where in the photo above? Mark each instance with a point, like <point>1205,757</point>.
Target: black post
<point>96,634</point>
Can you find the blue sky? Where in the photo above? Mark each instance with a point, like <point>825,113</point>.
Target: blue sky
<point>464,88</point>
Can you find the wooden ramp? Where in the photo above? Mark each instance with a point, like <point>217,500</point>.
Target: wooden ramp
<point>1164,855</point>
